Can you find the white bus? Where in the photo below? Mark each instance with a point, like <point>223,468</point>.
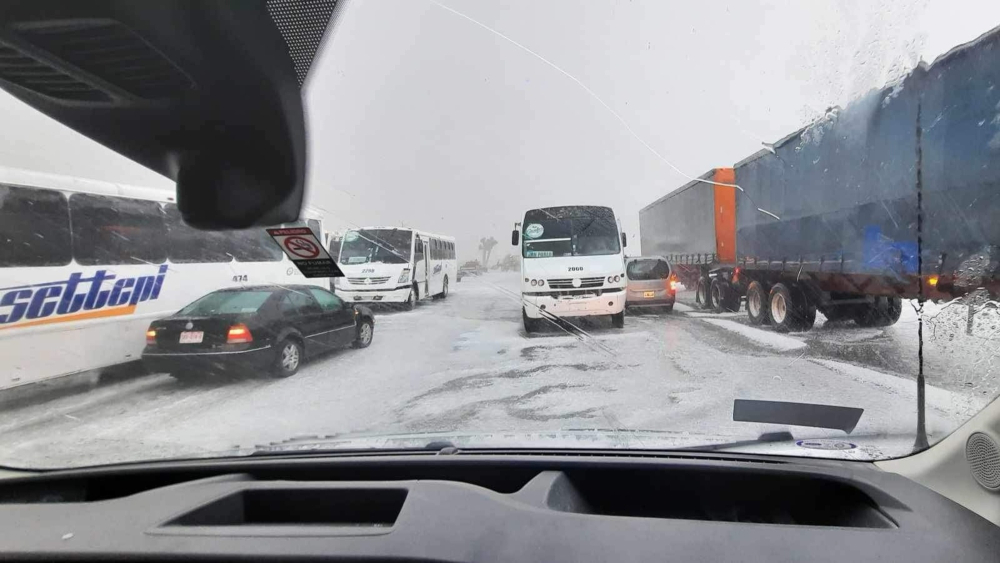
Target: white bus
<point>572,264</point>
<point>86,265</point>
<point>395,265</point>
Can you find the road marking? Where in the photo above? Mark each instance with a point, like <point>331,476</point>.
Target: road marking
<point>770,339</point>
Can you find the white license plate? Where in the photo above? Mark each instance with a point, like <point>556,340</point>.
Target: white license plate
<point>193,337</point>
<point>648,294</point>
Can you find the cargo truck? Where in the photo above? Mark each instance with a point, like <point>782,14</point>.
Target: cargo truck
<point>897,196</point>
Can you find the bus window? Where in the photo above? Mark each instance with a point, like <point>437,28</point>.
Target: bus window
<point>418,251</point>
<point>335,248</point>
<point>315,227</point>
<point>254,245</point>
<point>116,230</point>
<point>188,245</point>
<point>34,228</point>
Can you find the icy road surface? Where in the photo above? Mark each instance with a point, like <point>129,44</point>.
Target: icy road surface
<point>464,364</point>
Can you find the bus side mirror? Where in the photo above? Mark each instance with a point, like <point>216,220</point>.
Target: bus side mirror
<point>514,238</point>
<point>624,240</point>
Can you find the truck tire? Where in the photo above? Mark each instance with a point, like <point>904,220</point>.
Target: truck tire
<point>732,302</point>
<point>808,313</point>
<point>885,311</point>
<point>790,309</point>
<point>758,308</point>
<point>724,298</point>
<point>717,290</point>
<point>838,313</point>
<point>703,295</point>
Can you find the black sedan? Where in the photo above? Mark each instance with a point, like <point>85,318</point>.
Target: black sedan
<point>258,329</point>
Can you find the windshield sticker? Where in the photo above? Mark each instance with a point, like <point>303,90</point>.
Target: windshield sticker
<point>357,259</point>
<point>303,248</point>
<point>538,253</point>
<point>534,230</point>
<point>351,236</point>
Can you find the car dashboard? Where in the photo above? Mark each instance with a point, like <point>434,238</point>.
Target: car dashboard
<point>489,506</point>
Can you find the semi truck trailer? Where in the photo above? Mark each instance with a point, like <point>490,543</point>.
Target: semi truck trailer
<point>894,197</point>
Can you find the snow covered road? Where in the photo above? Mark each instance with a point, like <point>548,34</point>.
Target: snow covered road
<point>464,364</point>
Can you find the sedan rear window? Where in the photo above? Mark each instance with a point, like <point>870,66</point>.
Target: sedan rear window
<point>227,302</point>
<point>642,270</point>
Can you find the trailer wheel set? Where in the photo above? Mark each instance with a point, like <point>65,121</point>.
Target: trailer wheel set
<point>790,306</point>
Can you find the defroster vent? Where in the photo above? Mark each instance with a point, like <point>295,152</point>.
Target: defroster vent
<point>89,60</point>
<point>33,74</point>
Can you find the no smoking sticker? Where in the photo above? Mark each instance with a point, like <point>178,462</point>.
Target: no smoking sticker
<point>301,247</point>
<point>305,251</point>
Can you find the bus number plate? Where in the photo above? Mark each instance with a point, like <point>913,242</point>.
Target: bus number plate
<point>193,337</point>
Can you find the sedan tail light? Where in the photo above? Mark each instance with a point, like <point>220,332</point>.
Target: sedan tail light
<point>239,334</point>
<point>151,336</point>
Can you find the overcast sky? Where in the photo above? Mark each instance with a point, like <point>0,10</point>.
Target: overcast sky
<point>457,116</point>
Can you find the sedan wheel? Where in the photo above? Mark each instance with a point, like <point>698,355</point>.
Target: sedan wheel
<point>366,331</point>
<point>289,359</point>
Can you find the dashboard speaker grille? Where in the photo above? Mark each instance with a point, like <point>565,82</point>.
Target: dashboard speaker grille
<point>983,455</point>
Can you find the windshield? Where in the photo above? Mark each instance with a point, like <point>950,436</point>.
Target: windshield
<point>226,302</point>
<point>762,226</point>
<point>570,231</point>
<point>388,246</point>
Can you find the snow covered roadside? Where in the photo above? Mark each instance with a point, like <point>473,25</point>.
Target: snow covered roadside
<point>766,338</point>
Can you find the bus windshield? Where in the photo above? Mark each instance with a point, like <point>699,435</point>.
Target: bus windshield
<point>570,231</point>
<point>389,246</point>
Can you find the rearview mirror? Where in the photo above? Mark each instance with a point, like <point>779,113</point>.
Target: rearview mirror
<point>204,93</point>
<point>624,240</point>
<point>514,237</point>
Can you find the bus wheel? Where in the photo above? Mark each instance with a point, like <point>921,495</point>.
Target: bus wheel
<point>411,299</point>
<point>757,304</point>
<point>530,324</point>
<point>618,320</point>
<point>444,289</point>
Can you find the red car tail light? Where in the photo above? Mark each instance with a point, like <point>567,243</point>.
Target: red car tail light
<point>239,334</point>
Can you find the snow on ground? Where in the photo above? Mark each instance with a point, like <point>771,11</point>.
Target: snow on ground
<point>465,365</point>
<point>777,341</point>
